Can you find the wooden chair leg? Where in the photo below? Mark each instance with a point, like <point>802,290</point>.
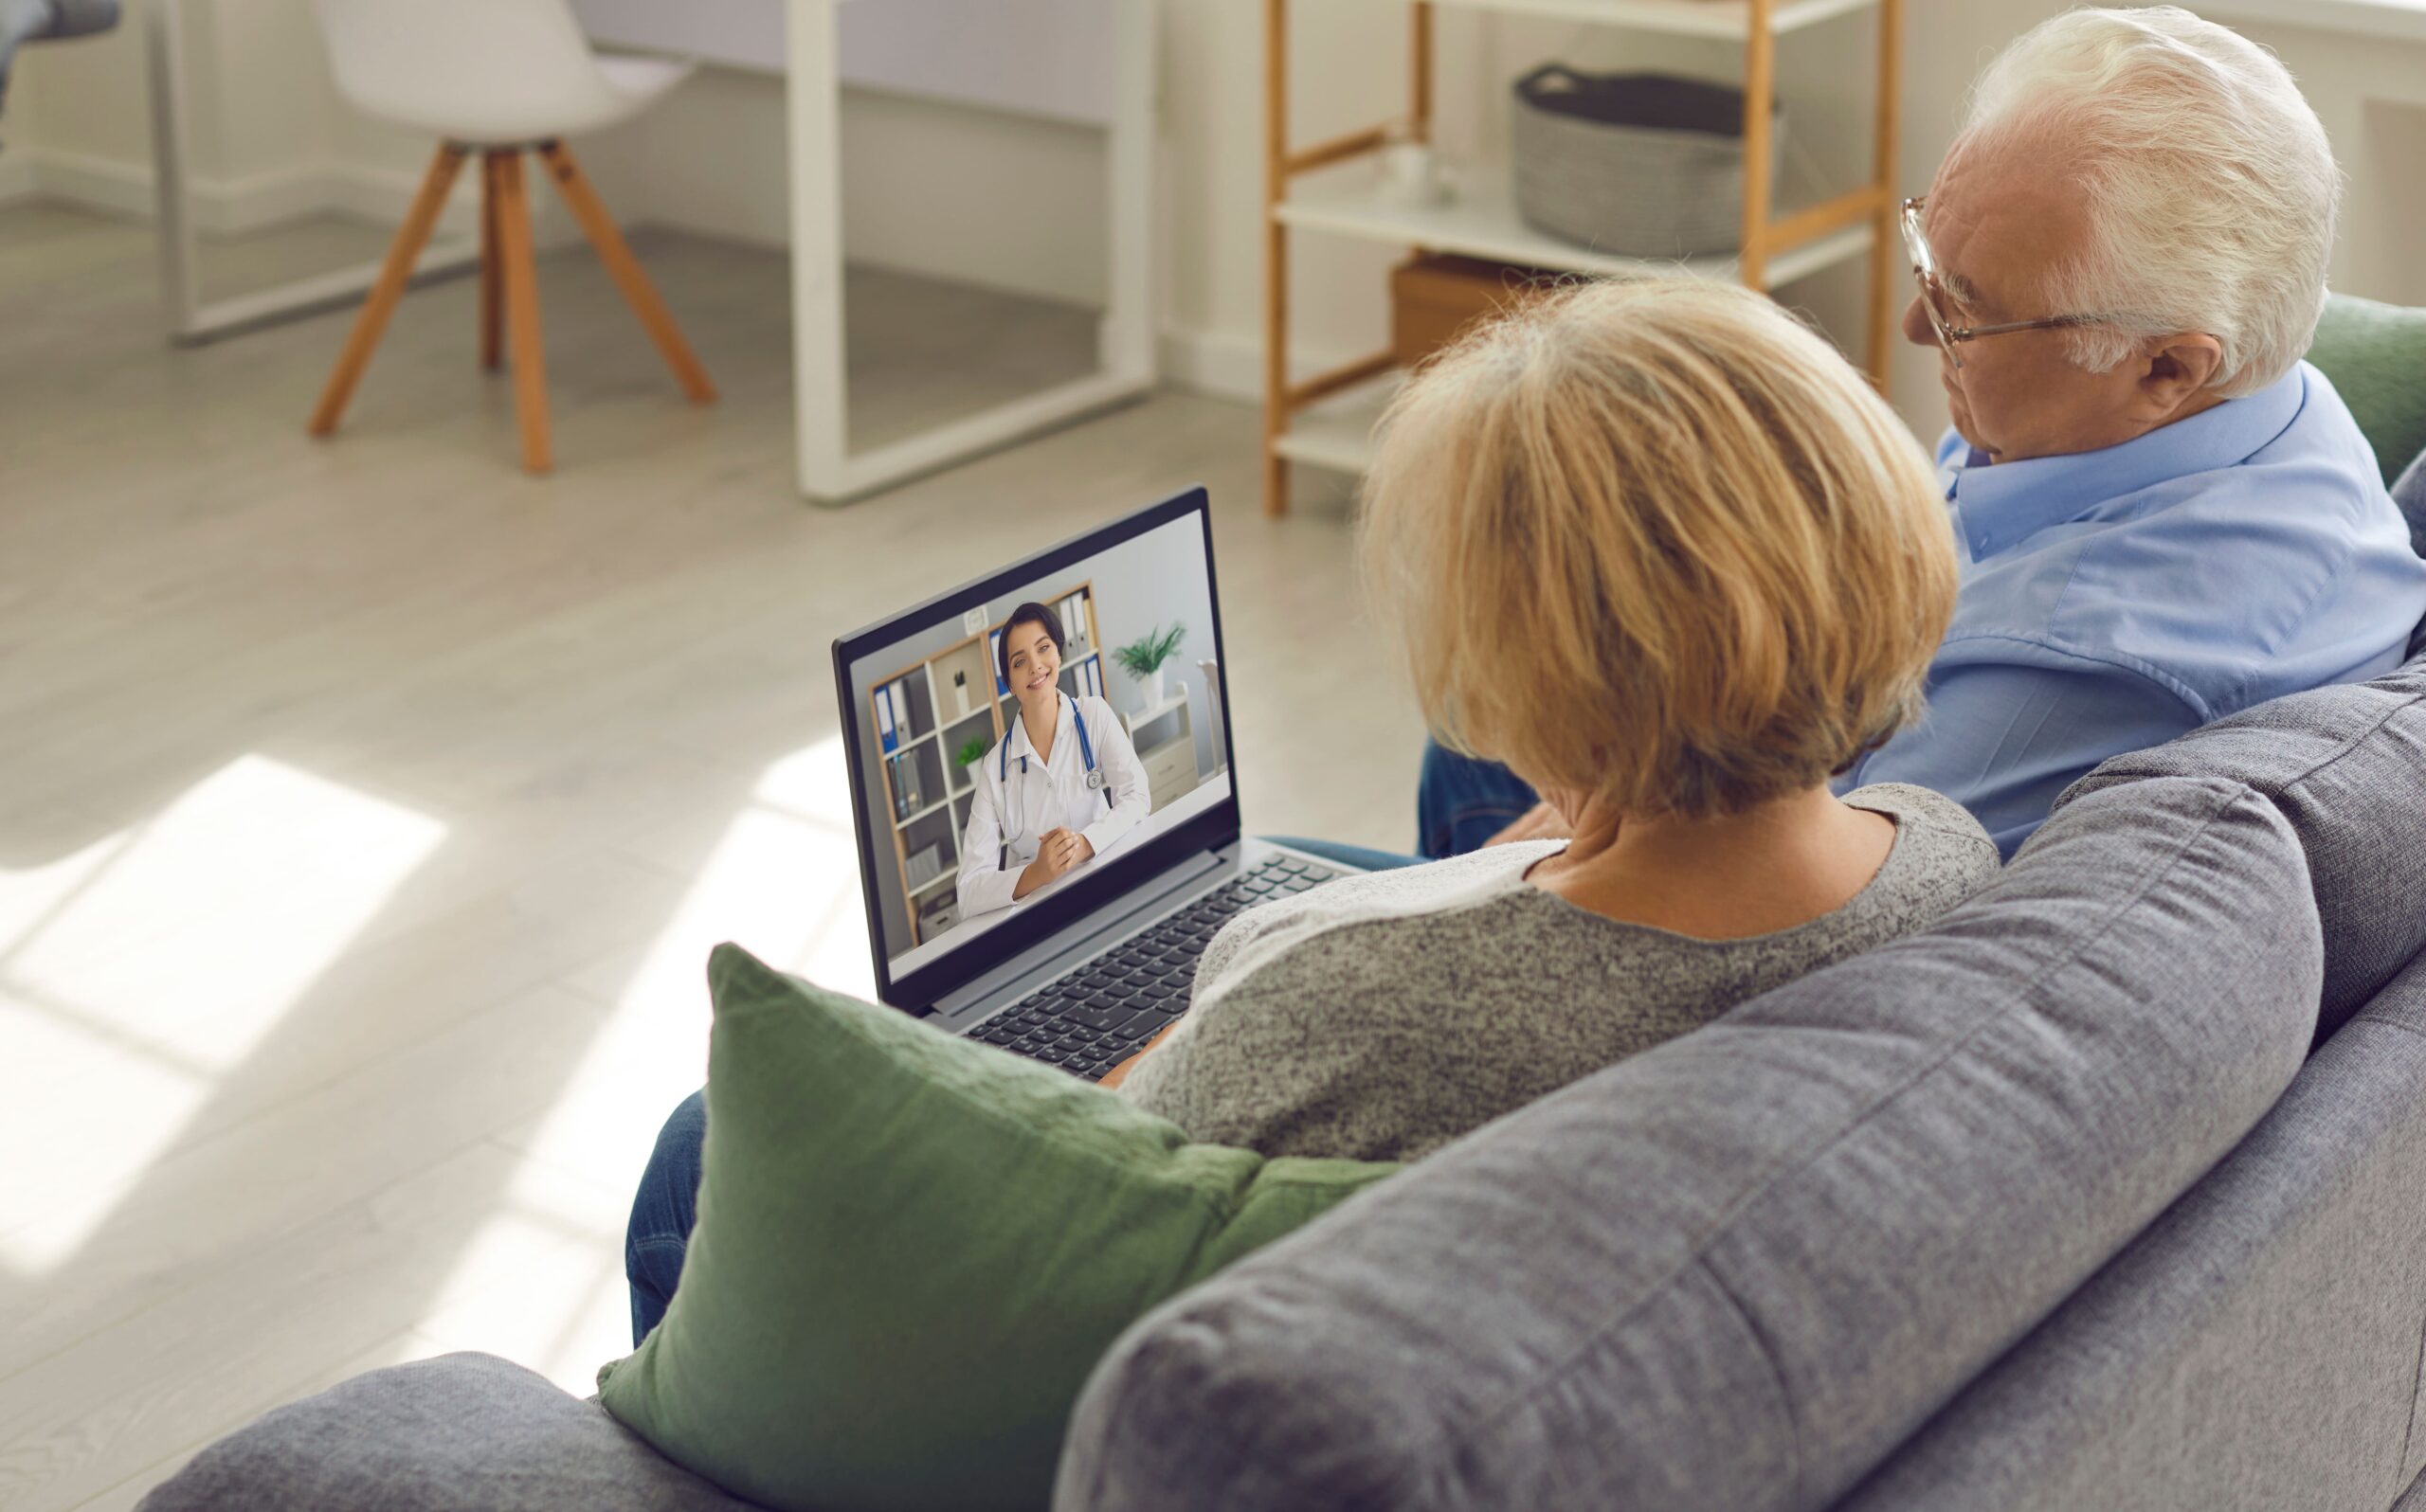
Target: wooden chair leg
<point>492,311</point>
<point>625,269</point>
<point>393,273</point>
<point>522,283</point>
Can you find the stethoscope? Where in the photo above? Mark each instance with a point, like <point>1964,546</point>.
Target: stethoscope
<point>1095,780</point>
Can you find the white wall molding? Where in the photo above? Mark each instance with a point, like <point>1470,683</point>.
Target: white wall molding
<point>1229,364</point>
<point>222,205</point>
<point>1223,364</point>
<point>94,182</point>
<point>375,196</point>
<point>380,196</point>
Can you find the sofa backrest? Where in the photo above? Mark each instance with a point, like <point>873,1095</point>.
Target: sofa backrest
<point>2375,357</point>
<point>1737,1271</point>
<point>2256,1349</point>
<point>2347,767</point>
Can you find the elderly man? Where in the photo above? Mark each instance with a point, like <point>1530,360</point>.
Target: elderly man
<point>2168,515</point>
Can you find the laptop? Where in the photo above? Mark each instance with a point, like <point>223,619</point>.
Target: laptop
<point>1083,971</point>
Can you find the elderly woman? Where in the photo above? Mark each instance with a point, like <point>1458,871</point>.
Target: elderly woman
<point>2166,517</point>
<point>1660,550</point>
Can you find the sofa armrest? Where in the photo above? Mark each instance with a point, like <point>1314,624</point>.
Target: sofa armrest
<point>459,1434</point>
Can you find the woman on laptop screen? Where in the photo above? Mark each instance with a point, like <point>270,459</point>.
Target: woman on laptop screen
<point>1057,789</point>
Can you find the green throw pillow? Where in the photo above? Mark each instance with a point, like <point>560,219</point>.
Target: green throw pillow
<point>2376,357</point>
<point>912,1249</point>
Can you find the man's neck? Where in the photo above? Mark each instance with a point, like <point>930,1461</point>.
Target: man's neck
<point>2199,404</point>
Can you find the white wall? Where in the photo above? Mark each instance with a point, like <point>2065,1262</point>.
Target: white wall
<point>983,197</point>
<point>928,187</point>
<point>712,157</point>
<point>2371,96</point>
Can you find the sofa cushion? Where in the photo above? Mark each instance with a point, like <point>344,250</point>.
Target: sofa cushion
<point>2347,768</point>
<point>2256,1349</point>
<point>2375,354</point>
<point>2409,492</point>
<point>458,1433</point>
<point>1736,1270</point>
<point>911,1248</point>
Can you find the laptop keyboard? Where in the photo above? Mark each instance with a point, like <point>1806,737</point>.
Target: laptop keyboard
<point>1096,1017</point>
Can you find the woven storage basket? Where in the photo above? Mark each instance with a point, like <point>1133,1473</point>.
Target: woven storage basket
<point>1640,164</point>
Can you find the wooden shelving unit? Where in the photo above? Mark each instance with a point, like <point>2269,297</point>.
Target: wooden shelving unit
<point>1326,420</point>
<point>927,792</point>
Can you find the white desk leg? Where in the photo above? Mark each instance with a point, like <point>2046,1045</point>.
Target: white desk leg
<point>820,395</point>
<point>164,60</point>
<point>1129,335</point>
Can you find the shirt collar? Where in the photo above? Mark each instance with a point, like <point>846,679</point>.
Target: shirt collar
<point>2003,505</point>
<point>1022,747</point>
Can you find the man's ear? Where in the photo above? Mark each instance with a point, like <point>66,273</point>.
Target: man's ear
<point>2178,370</point>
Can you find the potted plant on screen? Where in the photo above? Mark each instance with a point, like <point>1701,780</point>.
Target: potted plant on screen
<point>1143,657</point>
<point>970,754</point>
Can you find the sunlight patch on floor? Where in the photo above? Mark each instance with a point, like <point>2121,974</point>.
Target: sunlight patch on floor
<point>782,881</point>
<point>138,971</point>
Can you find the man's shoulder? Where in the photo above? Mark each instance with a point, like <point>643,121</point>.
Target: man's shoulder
<point>2323,437</point>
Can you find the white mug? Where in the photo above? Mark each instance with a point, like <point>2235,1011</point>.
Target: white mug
<point>1411,174</point>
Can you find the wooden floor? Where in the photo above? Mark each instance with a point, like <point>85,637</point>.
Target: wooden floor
<point>366,808</point>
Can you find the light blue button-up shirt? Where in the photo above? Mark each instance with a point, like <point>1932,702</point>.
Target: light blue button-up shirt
<point>2113,599</point>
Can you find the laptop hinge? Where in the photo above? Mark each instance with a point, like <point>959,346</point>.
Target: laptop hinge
<point>1099,931</point>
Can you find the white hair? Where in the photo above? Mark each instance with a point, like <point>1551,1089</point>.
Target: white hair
<point>2210,186</point>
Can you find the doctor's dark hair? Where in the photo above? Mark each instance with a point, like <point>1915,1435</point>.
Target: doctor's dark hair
<point>1030,612</point>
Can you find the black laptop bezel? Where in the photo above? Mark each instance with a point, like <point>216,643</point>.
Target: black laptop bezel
<point>1218,826</point>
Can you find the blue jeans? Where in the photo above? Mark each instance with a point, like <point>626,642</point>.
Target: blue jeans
<point>664,1212</point>
<point>1460,803</point>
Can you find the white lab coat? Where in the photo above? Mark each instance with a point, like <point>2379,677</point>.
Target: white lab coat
<point>1052,795</point>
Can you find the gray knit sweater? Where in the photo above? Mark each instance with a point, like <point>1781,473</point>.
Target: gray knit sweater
<point>1381,1016</point>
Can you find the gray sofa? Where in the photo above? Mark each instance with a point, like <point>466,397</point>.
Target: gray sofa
<point>2109,1191</point>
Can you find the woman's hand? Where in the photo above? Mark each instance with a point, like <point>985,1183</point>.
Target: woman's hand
<point>1059,852</point>
<point>1120,1073</point>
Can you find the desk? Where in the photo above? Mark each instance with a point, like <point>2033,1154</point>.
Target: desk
<point>828,469</point>
<point>954,50</point>
<point>1169,758</point>
<point>1087,60</point>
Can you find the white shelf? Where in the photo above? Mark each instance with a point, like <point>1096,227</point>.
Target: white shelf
<point>1172,698</point>
<point>1481,221</point>
<point>917,814</point>
<point>1338,433</point>
<point>934,882</point>
<point>1683,18</point>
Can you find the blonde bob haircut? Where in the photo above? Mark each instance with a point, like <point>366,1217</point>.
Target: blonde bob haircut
<point>1655,541</point>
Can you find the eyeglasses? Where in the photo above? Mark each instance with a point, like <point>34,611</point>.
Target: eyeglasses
<point>1933,295</point>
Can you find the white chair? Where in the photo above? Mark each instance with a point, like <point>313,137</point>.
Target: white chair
<point>495,76</point>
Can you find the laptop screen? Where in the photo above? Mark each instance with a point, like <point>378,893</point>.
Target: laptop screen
<point>1027,746</point>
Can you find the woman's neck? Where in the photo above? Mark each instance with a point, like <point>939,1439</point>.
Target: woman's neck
<point>1787,862</point>
<point>1042,717</point>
